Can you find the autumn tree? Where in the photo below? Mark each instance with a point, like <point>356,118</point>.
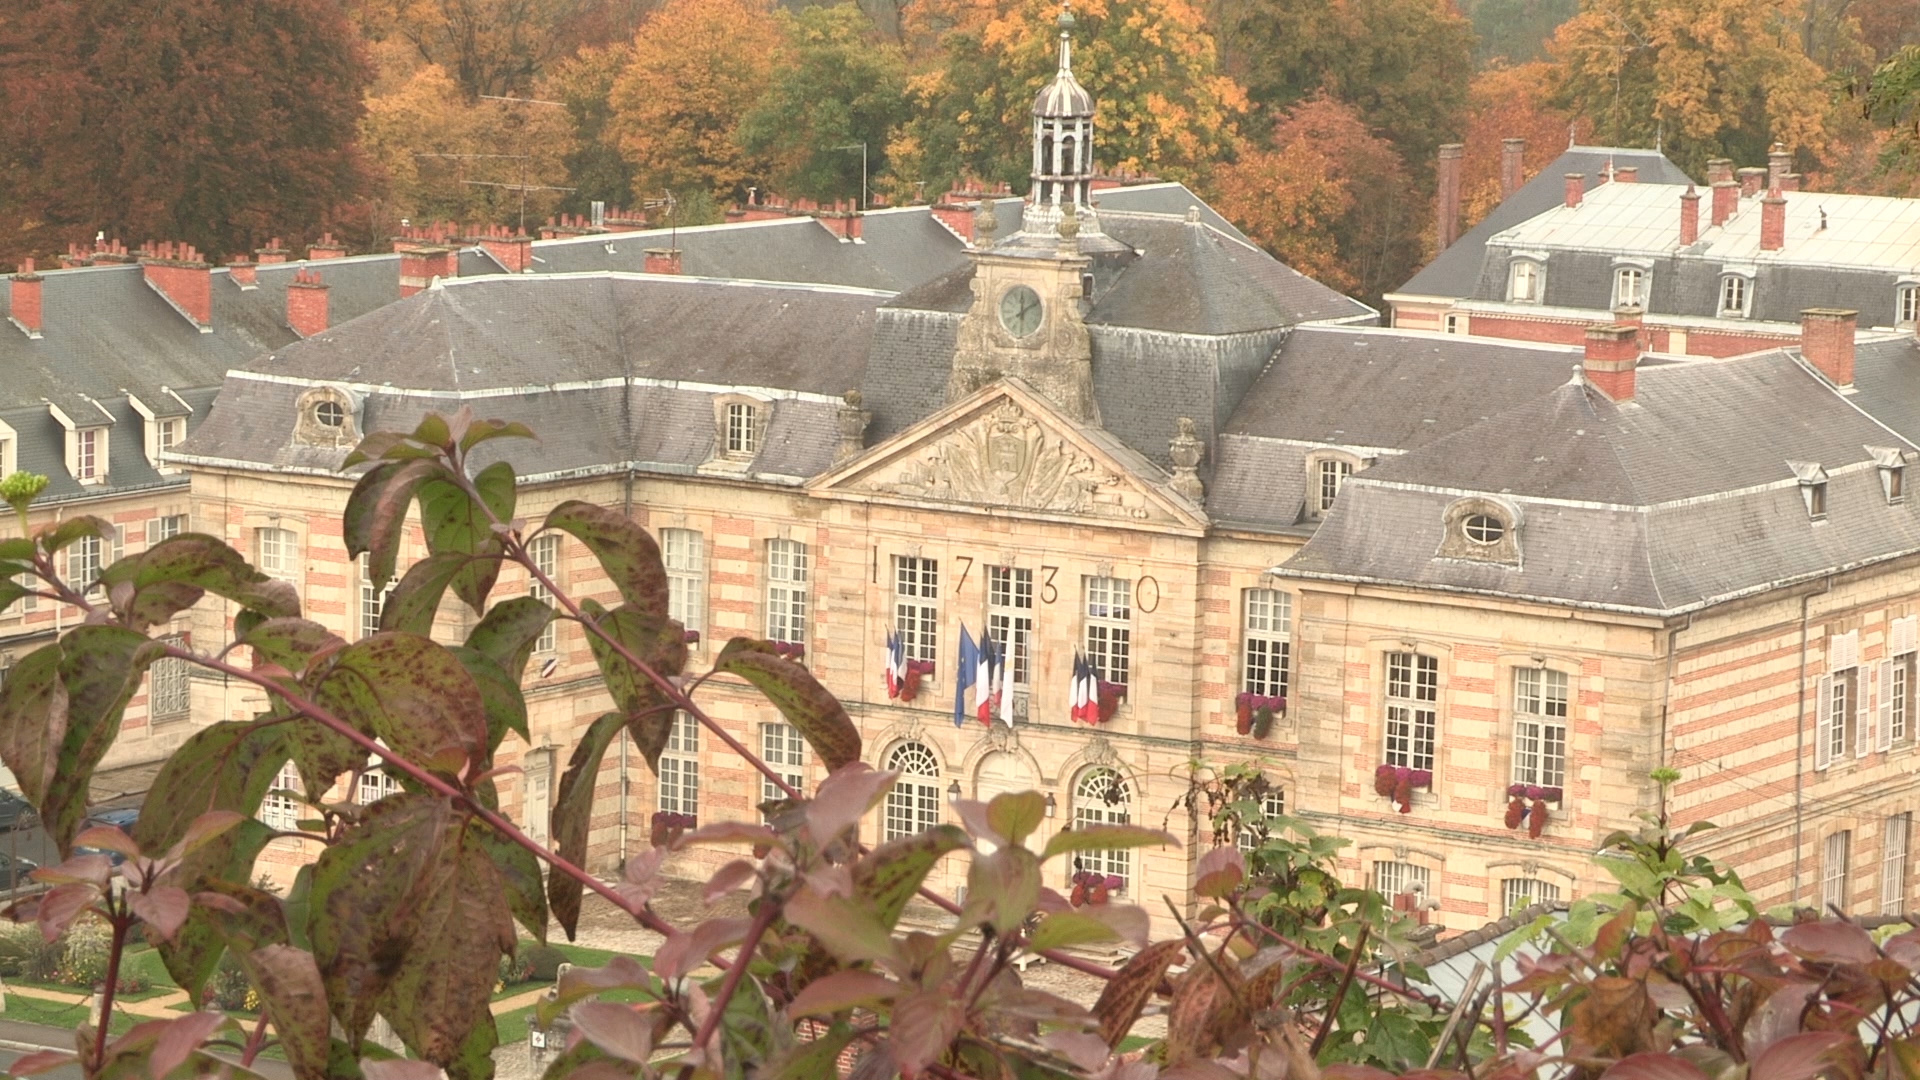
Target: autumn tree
<point>1404,64</point>
<point>1703,78</point>
<point>1163,104</point>
<point>839,89</point>
<point>498,47</point>
<point>1508,102</point>
<point>697,67</point>
<point>216,122</point>
<point>1330,198</point>
<point>584,84</point>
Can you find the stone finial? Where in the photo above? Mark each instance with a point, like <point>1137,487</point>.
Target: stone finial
<point>1070,228</point>
<point>853,421</point>
<point>985,224</point>
<point>1186,450</point>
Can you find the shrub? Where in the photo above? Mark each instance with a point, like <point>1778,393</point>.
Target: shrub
<point>543,962</point>
<point>228,986</point>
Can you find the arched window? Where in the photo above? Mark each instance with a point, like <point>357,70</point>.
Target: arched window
<point>1102,797</point>
<point>913,806</point>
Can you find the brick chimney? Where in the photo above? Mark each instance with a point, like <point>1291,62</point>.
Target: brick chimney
<point>1752,180</point>
<point>1613,352</point>
<point>842,221</point>
<point>1689,216</point>
<point>1726,200</point>
<point>1576,189</point>
<point>1513,153</point>
<point>178,274</point>
<point>420,264</point>
<point>1826,342</point>
<point>326,248</point>
<point>243,272</point>
<point>512,250</point>
<point>1773,222</point>
<point>272,253</point>
<point>25,299</point>
<point>113,252</point>
<point>662,261</point>
<point>1719,169</point>
<point>1627,174</point>
<point>1447,204</point>
<point>307,303</point>
<point>1791,181</point>
<point>1779,164</point>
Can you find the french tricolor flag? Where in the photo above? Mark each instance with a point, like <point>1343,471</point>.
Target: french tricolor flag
<point>896,664</point>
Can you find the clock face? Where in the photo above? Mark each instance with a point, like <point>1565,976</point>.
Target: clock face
<point>1020,311</point>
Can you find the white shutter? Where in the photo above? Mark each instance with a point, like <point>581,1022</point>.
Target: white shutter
<point>153,531</point>
<point>1883,727</point>
<point>1843,651</point>
<point>119,545</point>
<point>1906,635</point>
<point>1823,724</point>
<point>1864,680</point>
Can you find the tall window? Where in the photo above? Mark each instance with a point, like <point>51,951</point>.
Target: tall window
<point>170,431</point>
<point>1540,727</point>
<point>1252,833</point>
<point>278,553</point>
<point>1519,894</point>
<point>6,669</point>
<point>372,601</point>
<point>1110,626</point>
<point>89,453</point>
<point>916,605</point>
<point>1896,682</point>
<point>281,808</point>
<point>787,591</point>
<point>1010,618</point>
<point>1833,874</point>
<point>1893,864</point>
<point>1269,625</point>
<point>913,803</point>
<point>1102,798</point>
<point>684,551</point>
<point>168,693</point>
<point>83,562</point>
<point>742,434</point>
<point>1835,726</point>
<point>1907,305</point>
<point>545,552</point>
<point>375,784</point>
<point>680,767</point>
<point>165,527</point>
<point>1629,287</point>
<point>782,748</point>
<point>1413,696</point>
<point>1330,475</point>
<point>29,602</point>
<point>1391,879</point>
<point>1523,282</point>
<point>1734,290</point>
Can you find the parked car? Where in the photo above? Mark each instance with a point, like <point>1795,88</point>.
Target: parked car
<point>16,812</point>
<point>120,817</point>
<point>14,871</point>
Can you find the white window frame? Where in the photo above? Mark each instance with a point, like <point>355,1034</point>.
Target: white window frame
<point>1896,703</point>
<point>679,786</point>
<point>373,602</point>
<point>1412,730</point>
<point>90,455</point>
<point>1090,808</point>
<point>374,784</point>
<point>544,550</point>
<point>741,431</point>
<point>1330,474</point>
<point>85,559</point>
<point>277,553</point>
<point>1833,871</point>
<point>783,748</point>
<point>1532,274</point>
<point>684,553</point>
<point>1540,704</point>
<point>1906,304</point>
<point>1738,288</point>
<point>29,603</point>
<point>1631,286</point>
<point>1896,834</point>
<point>282,812</point>
<point>1267,642</point>
<point>1273,805</point>
<point>1391,879</point>
<point>1010,613</point>
<point>1109,628</point>
<point>169,689</point>
<point>166,527</point>
<point>913,803</point>
<point>789,568</point>
<point>916,606</point>
<point>1519,894</point>
<point>1845,716</point>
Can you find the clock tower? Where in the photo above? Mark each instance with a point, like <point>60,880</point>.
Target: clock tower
<point>1031,291</point>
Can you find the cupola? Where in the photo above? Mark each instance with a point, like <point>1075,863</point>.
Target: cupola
<point>1062,147</point>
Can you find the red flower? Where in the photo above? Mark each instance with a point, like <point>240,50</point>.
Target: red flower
<point>1516,813</point>
<point>1537,819</point>
<point>1383,781</point>
<point>1403,794</point>
<point>1243,714</point>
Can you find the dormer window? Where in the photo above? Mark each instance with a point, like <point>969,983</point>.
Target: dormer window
<point>1483,530</point>
<point>1891,463</point>
<point>327,416</point>
<point>163,416</point>
<point>1906,305</point>
<point>742,435</point>
<point>1629,287</point>
<point>1813,488</point>
<point>1736,296</point>
<point>1327,473</point>
<point>90,455</point>
<point>1525,282</point>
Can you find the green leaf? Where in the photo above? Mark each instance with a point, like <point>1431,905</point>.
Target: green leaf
<point>413,603</point>
<point>228,766</point>
<point>64,534</point>
<point>506,709</point>
<point>573,815</point>
<point>292,643</point>
<point>225,863</point>
<point>1016,814</point>
<point>296,1000</point>
<point>817,714</point>
<point>33,720</point>
<point>629,556</point>
<point>377,513</point>
<point>99,676</point>
<point>1106,837</point>
<point>10,590</point>
<point>1064,929</point>
<point>508,632</point>
<point>482,430</point>
<point>1003,887</point>
<point>172,575</point>
<point>454,523</point>
<point>657,641</point>
<point>809,1060</point>
<point>520,879</point>
<point>888,876</point>
<point>409,691</point>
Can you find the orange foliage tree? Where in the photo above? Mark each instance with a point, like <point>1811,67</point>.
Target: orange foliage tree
<point>1508,103</point>
<point>698,66</point>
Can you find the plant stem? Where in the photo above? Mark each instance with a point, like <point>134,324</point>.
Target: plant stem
<point>121,920</point>
<point>762,919</point>
<point>1340,993</point>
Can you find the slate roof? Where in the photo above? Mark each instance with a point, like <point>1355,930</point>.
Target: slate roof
<point>1677,499</point>
<point>1455,272</point>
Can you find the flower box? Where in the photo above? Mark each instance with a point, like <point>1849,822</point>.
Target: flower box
<point>1254,713</point>
<point>1108,697</point>
<point>917,671</point>
<point>1093,888</point>
<point>1527,805</point>
<point>1397,782</point>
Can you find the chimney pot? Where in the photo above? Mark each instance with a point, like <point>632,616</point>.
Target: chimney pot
<point>326,248</point>
<point>1512,157</point>
<point>420,264</point>
<point>307,304</point>
<point>243,272</point>
<point>1576,189</point>
<point>1627,174</point>
<point>1791,181</point>
<point>1773,222</point>
<point>177,273</point>
<point>1726,201</point>
<point>1689,217</point>
<point>1613,354</point>
<point>662,261</point>
<point>1779,164</point>
<point>514,252</point>
<point>1719,169</point>
<point>1751,181</point>
<point>1826,342</point>
<point>272,253</point>
<point>1447,205</point>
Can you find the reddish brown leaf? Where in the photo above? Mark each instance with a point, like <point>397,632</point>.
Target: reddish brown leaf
<point>924,1025</point>
<point>629,556</point>
<point>182,1037</point>
<point>1220,872</point>
<point>1652,1067</point>
<point>842,990</point>
<point>1830,941</point>
<point>1130,989</point>
<point>1800,1057</point>
<point>616,1029</point>
<point>815,713</point>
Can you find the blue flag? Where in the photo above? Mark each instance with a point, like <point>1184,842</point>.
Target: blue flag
<point>964,675</point>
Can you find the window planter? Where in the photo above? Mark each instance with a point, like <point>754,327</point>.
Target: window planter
<point>789,650</point>
<point>1092,888</point>
<point>1527,803</point>
<point>1254,713</point>
<point>667,827</point>
<point>1397,782</point>
<point>1109,696</point>
<point>691,637</point>
<point>917,671</point>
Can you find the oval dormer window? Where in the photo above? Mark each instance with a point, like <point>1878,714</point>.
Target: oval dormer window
<point>1484,528</point>
<point>330,414</point>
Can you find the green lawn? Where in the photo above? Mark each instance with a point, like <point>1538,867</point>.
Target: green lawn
<point>28,1010</point>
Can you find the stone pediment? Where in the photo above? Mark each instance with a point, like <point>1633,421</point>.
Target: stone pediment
<point>1005,448</point>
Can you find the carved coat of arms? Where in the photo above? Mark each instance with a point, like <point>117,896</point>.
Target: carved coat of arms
<point>1007,459</point>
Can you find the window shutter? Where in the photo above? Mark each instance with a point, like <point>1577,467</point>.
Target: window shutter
<point>119,545</point>
<point>1883,688</point>
<point>1865,680</point>
<point>153,531</point>
<point>1823,725</point>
